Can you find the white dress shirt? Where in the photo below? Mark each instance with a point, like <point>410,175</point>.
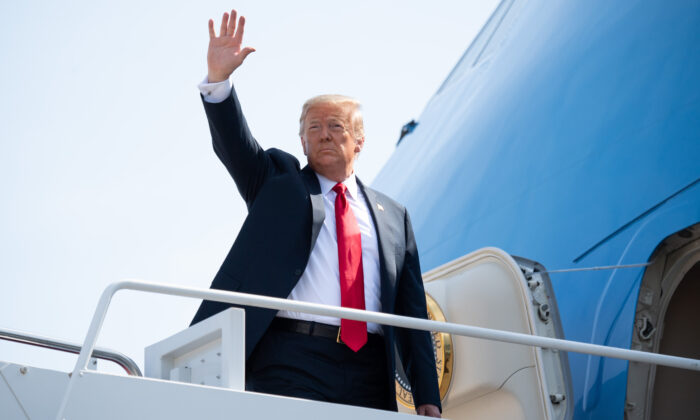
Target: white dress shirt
<point>320,282</point>
<point>215,92</point>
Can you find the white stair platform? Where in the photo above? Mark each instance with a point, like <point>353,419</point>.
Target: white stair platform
<point>37,394</point>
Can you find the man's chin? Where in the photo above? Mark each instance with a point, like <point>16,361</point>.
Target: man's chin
<point>329,170</point>
<point>326,162</point>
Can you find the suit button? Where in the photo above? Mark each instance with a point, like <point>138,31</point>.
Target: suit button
<point>297,272</point>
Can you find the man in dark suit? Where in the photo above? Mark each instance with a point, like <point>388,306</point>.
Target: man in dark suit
<point>316,234</point>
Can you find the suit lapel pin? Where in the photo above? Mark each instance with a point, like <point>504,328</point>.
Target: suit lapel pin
<point>379,206</point>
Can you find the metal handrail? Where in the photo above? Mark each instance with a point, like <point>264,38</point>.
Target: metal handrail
<point>358,315</point>
<point>49,343</point>
<point>376,317</point>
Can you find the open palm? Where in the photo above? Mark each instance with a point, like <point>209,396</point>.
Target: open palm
<point>225,53</point>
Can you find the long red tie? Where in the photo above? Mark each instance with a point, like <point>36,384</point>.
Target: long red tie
<point>352,284</point>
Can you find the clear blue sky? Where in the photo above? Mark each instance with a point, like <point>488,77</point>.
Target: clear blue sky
<point>106,165</point>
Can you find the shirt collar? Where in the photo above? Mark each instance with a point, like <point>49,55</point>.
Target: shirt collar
<point>327,185</point>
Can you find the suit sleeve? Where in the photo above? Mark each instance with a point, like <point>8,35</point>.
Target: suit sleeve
<point>415,347</point>
<point>245,160</point>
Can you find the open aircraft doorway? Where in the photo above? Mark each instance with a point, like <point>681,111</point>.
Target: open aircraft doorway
<point>666,322</point>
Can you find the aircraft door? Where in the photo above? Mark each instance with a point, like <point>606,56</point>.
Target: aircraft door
<point>484,379</point>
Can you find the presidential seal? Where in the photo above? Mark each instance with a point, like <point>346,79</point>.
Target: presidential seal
<point>444,358</point>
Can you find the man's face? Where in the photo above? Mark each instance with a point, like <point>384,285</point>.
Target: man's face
<point>329,141</point>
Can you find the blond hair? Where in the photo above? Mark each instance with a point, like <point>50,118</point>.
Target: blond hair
<point>358,128</point>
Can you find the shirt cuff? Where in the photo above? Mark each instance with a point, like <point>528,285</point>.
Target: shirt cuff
<point>215,92</point>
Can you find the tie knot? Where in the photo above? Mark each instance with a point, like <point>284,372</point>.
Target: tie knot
<point>340,188</point>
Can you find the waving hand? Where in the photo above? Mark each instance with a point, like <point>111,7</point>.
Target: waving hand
<point>225,54</point>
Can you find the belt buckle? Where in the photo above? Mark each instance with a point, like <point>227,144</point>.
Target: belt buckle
<point>337,339</point>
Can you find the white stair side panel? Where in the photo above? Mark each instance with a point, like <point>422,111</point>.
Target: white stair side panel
<point>39,391</point>
<point>107,397</point>
<point>9,406</point>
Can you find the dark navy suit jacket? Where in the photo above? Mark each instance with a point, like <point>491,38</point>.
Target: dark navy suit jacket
<point>285,214</point>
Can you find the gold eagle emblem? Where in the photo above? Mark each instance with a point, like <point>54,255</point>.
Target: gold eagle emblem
<point>444,359</point>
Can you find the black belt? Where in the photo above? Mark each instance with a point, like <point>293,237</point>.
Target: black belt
<point>315,329</point>
<point>311,328</point>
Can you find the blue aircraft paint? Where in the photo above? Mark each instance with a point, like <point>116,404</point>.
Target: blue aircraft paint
<point>568,133</point>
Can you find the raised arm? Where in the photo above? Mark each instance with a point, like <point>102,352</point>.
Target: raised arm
<point>225,54</point>
<point>235,146</point>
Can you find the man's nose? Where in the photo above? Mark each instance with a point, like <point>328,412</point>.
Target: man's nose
<point>325,133</point>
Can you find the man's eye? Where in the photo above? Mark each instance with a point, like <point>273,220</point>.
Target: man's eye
<point>313,127</point>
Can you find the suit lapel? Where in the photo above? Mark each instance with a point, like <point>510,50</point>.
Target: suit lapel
<point>318,212</point>
<point>386,258</point>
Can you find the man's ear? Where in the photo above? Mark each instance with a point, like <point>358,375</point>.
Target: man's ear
<point>359,144</point>
<point>303,145</point>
